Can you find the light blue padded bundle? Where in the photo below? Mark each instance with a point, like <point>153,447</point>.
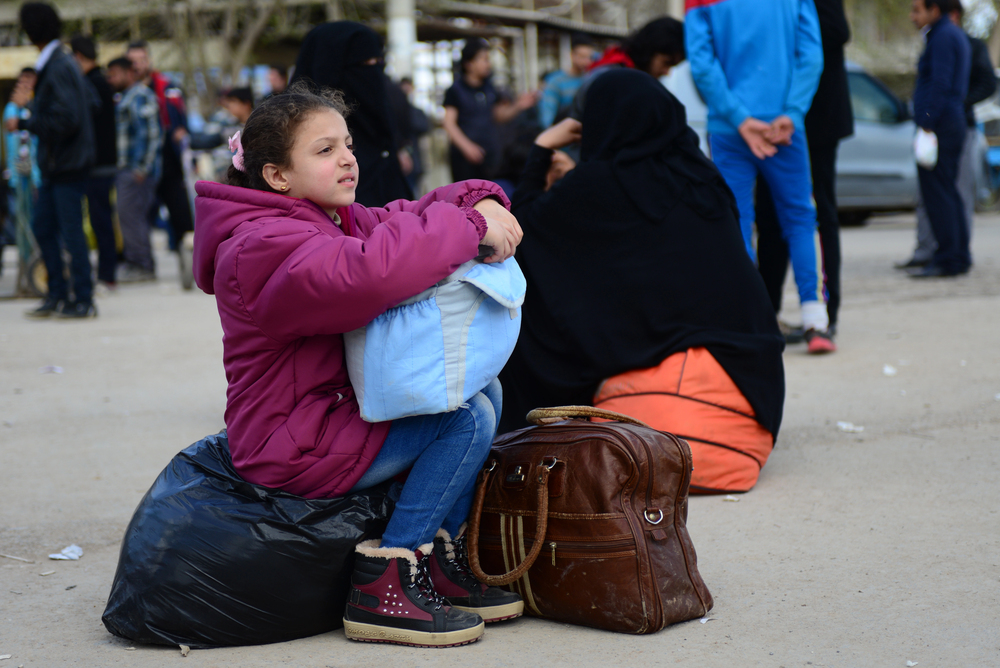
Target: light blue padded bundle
<point>436,350</point>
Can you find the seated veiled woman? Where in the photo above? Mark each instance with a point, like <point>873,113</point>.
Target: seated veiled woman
<point>641,296</point>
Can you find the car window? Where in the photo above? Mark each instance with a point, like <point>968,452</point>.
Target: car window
<point>869,101</point>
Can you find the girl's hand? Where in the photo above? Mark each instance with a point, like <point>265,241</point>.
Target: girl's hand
<point>473,152</point>
<point>503,233</point>
<point>565,132</point>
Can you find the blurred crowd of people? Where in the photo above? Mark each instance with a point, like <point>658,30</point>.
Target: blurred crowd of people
<point>776,147</point>
<point>111,138</point>
<point>95,158</point>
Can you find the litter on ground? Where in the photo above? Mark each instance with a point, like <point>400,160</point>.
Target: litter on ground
<point>71,553</point>
<point>11,556</point>
<point>850,427</point>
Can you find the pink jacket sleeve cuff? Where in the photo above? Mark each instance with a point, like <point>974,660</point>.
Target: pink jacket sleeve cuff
<point>475,196</point>
<point>476,218</point>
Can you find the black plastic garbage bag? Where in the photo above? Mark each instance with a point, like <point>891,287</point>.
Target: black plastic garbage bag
<point>210,560</point>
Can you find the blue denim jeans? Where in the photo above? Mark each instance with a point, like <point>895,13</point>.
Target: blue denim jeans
<point>59,217</point>
<point>444,453</point>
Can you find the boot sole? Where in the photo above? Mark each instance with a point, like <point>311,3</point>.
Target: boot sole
<point>497,613</point>
<point>373,633</point>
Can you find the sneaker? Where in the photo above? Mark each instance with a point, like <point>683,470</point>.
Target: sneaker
<point>393,600</point>
<point>453,579</point>
<point>793,333</point>
<point>912,263</point>
<point>932,271</point>
<point>77,310</point>
<point>820,343</point>
<point>130,273</point>
<point>47,308</point>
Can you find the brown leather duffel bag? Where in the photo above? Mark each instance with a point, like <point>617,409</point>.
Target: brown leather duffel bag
<point>587,522</point>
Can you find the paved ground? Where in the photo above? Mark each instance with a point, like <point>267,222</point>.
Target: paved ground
<point>855,549</point>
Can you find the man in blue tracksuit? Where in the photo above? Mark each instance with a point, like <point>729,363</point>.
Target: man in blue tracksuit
<point>757,65</point>
<point>939,106</point>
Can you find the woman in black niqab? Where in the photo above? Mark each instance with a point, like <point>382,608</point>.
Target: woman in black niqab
<point>633,256</point>
<point>347,56</point>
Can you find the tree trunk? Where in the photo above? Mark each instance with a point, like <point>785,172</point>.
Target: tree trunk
<point>255,20</point>
<point>994,43</point>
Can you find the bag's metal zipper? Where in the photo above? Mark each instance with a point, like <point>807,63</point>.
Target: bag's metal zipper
<point>579,548</point>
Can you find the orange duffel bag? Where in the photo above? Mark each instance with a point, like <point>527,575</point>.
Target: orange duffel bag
<point>689,394</point>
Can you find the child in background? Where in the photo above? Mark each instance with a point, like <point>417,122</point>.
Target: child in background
<point>294,264</point>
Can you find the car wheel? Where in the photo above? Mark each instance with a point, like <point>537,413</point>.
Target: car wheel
<point>38,278</point>
<point>854,218</point>
<point>988,200</point>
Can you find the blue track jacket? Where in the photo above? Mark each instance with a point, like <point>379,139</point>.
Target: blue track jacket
<point>760,58</point>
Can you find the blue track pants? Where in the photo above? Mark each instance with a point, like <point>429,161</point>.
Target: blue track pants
<point>787,175</point>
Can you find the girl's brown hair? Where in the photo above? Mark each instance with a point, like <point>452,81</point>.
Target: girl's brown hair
<point>269,133</point>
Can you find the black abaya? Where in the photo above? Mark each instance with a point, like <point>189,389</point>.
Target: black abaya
<point>334,55</point>
<point>635,255</point>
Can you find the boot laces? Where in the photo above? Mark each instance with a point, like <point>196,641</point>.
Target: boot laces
<point>422,581</point>
<point>461,560</point>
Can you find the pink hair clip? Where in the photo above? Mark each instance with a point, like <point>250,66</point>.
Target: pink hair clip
<point>236,145</point>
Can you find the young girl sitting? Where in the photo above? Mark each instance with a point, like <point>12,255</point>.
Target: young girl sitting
<point>295,263</point>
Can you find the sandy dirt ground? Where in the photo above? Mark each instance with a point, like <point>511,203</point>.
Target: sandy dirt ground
<point>873,548</point>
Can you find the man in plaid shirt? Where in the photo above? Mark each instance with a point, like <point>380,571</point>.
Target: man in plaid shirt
<point>140,145</point>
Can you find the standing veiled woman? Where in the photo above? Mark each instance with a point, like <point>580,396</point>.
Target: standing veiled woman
<point>347,56</point>
<point>641,296</point>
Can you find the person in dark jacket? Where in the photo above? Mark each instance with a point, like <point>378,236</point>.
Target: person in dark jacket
<point>61,119</point>
<point>102,176</point>
<point>171,190</point>
<point>939,107</point>
<point>830,119</point>
<point>418,125</point>
<point>347,56</point>
<point>982,84</point>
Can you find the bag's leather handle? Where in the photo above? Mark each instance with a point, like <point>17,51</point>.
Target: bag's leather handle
<point>544,415</point>
<point>542,521</point>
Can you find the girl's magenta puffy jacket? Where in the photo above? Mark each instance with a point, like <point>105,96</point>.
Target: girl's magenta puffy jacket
<point>289,282</point>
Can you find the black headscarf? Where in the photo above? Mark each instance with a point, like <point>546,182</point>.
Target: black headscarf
<point>635,255</point>
<point>653,153</point>
<point>334,55</point>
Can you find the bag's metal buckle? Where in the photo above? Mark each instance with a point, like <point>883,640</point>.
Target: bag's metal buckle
<point>649,514</point>
<point>552,465</point>
<point>517,476</point>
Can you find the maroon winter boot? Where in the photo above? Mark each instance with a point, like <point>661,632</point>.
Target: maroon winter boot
<point>392,600</point>
<point>453,579</point>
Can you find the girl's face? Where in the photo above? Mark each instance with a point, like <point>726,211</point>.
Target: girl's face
<point>480,66</point>
<point>322,168</point>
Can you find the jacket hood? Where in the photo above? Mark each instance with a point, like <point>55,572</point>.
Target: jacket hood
<point>220,209</point>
